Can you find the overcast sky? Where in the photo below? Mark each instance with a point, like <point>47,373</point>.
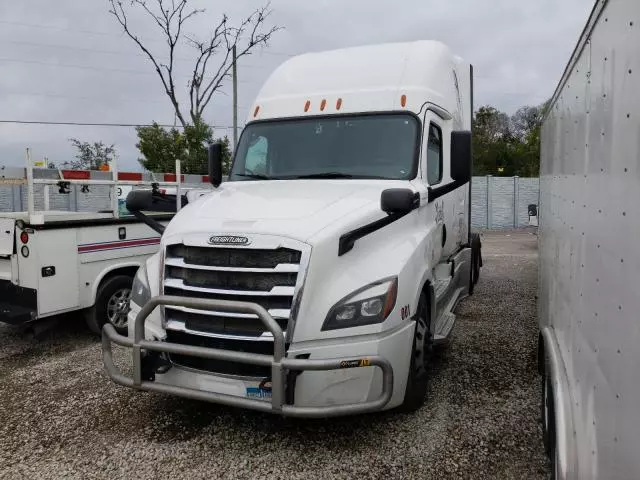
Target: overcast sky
<point>67,60</point>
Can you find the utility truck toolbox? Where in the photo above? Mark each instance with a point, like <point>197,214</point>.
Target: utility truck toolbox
<point>317,279</point>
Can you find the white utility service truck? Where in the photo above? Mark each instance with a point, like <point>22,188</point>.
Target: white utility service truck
<point>315,281</point>
<point>52,262</point>
<point>589,303</point>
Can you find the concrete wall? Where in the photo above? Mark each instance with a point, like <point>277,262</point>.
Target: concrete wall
<point>502,202</point>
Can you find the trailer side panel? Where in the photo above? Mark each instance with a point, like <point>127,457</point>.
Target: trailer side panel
<point>589,255</point>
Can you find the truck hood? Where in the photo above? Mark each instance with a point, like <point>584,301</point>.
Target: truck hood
<point>291,208</point>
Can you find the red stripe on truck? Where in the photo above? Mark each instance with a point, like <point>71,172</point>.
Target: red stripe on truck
<point>76,174</point>
<point>171,177</point>
<point>130,176</point>
<point>98,247</point>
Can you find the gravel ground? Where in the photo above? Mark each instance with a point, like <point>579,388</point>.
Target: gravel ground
<point>61,417</point>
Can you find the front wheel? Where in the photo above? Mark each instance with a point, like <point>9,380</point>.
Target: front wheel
<point>112,305</point>
<point>417,378</point>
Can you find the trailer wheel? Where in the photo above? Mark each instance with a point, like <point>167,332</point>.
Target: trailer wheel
<point>548,415</point>
<point>112,305</point>
<point>417,379</point>
<point>476,261</point>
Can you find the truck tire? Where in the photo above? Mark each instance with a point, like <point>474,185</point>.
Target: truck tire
<point>476,261</point>
<point>112,305</point>
<point>417,378</point>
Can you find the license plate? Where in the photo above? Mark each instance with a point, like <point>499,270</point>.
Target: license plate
<point>258,393</point>
<point>262,391</point>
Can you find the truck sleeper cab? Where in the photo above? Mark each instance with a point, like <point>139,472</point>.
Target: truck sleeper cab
<point>315,281</point>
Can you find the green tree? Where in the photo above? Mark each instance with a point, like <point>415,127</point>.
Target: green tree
<point>491,136</point>
<point>507,146</point>
<point>161,147</point>
<point>90,156</point>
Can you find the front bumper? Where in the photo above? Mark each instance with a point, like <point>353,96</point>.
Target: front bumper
<point>18,305</point>
<point>279,364</point>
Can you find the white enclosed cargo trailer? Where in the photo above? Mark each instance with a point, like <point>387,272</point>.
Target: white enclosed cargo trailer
<point>315,281</point>
<point>589,301</point>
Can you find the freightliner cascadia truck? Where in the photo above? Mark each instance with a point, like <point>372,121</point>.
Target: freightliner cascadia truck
<point>317,278</point>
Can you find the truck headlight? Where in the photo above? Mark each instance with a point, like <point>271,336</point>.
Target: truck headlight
<point>366,306</point>
<point>140,293</point>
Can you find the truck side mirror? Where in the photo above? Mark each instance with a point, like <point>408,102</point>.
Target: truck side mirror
<point>139,200</point>
<point>149,201</point>
<point>399,200</point>
<point>461,156</point>
<point>215,164</point>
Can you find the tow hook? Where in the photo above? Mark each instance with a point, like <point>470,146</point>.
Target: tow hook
<point>152,363</point>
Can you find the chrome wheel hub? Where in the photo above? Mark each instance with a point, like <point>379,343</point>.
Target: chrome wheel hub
<point>118,308</point>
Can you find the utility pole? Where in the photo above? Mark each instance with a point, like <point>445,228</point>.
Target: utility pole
<point>235,100</point>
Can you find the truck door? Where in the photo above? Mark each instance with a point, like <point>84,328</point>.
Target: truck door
<point>448,210</point>
<point>434,175</point>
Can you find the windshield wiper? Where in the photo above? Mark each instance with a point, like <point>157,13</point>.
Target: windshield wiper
<point>257,176</point>
<point>324,175</point>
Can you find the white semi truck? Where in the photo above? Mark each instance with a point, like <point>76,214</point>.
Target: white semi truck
<point>315,281</point>
<point>589,303</point>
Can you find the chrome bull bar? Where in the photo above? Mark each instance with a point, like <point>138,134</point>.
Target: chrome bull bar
<point>278,362</point>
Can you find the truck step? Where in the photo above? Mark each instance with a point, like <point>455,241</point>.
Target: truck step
<point>447,319</point>
<point>444,327</point>
<point>441,287</point>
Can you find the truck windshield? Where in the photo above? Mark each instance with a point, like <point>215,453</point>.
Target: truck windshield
<point>359,146</point>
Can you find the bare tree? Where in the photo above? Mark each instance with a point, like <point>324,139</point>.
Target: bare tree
<point>170,16</point>
<point>90,156</point>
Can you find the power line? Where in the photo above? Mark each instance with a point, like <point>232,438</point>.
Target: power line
<point>76,97</point>
<point>109,34</point>
<point>88,124</point>
<point>116,52</point>
<point>110,99</point>
<point>88,67</point>
<point>62,29</point>
<point>89,50</point>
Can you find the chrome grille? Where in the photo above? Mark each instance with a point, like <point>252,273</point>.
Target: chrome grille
<point>235,257</point>
<point>222,324</point>
<point>268,277</point>
<point>260,281</point>
<point>221,366</point>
